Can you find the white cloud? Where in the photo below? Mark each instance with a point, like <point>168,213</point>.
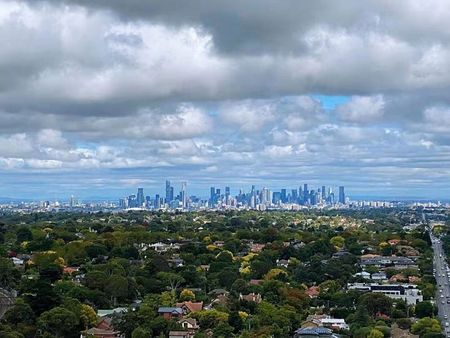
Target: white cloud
<point>362,109</point>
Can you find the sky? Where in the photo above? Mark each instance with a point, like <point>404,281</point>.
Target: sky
<point>100,97</point>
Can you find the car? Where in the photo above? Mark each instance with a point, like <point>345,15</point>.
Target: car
<point>445,316</point>
<point>447,324</point>
<point>448,301</point>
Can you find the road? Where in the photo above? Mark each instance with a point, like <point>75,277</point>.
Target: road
<point>442,275</point>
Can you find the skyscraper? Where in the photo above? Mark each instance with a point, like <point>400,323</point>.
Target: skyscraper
<point>341,195</point>
<point>324,195</point>
<point>305,193</point>
<point>184,197</point>
<point>140,199</point>
<point>169,192</point>
<point>212,196</point>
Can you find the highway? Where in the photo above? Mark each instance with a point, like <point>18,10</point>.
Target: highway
<point>442,275</point>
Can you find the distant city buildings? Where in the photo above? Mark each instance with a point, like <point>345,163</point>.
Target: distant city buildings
<point>258,199</point>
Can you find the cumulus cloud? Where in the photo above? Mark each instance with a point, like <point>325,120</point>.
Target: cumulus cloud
<point>362,109</point>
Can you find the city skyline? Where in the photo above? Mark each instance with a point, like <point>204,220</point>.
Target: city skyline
<point>100,97</point>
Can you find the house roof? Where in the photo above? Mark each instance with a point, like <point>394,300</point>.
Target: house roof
<point>95,331</point>
<point>191,306</point>
<point>178,334</point>
<point>313,331</point>
<point>191,321</point>
<point>176,310</point>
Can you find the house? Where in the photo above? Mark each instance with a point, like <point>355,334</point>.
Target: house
<point>189,324</point>
<point>316,332</point>
<point>313,321</point>
<point>362,274</point>
<point>17,262</point>
<point>175,262</point>
<point>180,334</point>
<point>68,270</point>
<point>379,276</point>
<point>251,297</point>
<point>408,292</point>
<point>219,244</point>
<point>109,312</point>
<point>340,254</point>
<point>399,262</point>
<point>189,307</point>
<point>204,267</point>
<point>170,312</point>
<point>313,291</point>
<point>256,247</point>
<point>218,292</point>
<point>100,333</point>
<point>283,263</point>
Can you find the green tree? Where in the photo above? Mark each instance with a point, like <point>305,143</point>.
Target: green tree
<point>426,325</point>
<point>59,322</point>
<point>117,287</point>
<point>140,332</point>
<point>88,316</point>
<point>424,309</point>
<point>374,333</point>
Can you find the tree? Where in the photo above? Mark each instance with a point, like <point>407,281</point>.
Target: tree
<point>424,309</point>
<point>276,274</point>
<point>187,295</point>
<point>88,316</point>
<point>20,313</point>
<point>235,321</point>
<point>337,241</point>
<point>426,325</point>
<point>59,322</point>
<point>140,332</point>
<point>376,303</point>
<point>117,287</point>
<point>374,333</point>
<point>171,279</point>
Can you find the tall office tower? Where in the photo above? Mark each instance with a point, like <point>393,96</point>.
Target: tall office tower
<point>132,201</point>
<point>305,193</point>
<point>212,196</point>
<point>294,195</point>
<point>157,202</point>
<point>341,195</point>
<point>283,195</point>
<point>169,192</point>
<point>123,203</point>
<point>324,194</point>
<point>184,197</point>
<point>140,199</point>
<point>276,197</point>
<point>227,195</point>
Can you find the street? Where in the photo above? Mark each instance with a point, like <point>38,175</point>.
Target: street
<point>441,272</point>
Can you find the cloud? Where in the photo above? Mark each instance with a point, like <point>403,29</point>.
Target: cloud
<point>362,109</point>
<point>236,92</point>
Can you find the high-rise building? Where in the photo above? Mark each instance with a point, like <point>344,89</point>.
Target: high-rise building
<point>324,194</point>
<point>169,192</point>
<point>227,195</point>
<point>212,196</point>
<point>305,193</point>
<point>140,199</point>
<point>184,197</point>
<point>341,195</point>
<point>157,202</point>
<point>283,195</point>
